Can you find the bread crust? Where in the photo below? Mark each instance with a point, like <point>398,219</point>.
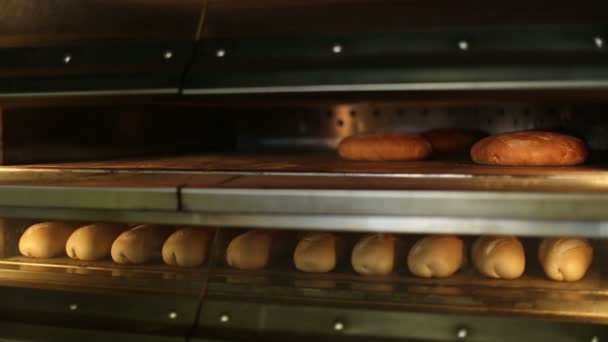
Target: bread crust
<point>46,239</point>
<point>316,252</point>
<point>449,140</point>
<point>500,257</point>
<point>565,259</point>
<point>93,241</point>
<point>387,146</point>
<point>530,148</point>
<point>374,255</point>
<point>140,244</point>
<point>250,250</point>
<point>436,256</point>
<point>186,247</point>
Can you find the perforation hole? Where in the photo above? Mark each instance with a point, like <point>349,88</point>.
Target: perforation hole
<point>340,123</point>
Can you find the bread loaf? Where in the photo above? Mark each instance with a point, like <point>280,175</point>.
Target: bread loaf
<point>374,255</point>
<point>565,259</point>
<point>499,257</point>
<point>437,256</point>
<point>140,244</point>
<point>530,148</point>
<point>187,247</point>
<point>46,239</point>
<point>316,252</point>
<point>385,147</point>
<point>445,140</point>
<point>93,241</point>
<point>250,250</point>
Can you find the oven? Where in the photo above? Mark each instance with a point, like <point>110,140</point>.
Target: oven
<point>224,117</point>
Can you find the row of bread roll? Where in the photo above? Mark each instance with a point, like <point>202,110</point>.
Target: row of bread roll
<point>439,256</point>
<point>185,247</point>
<point>524,148</point>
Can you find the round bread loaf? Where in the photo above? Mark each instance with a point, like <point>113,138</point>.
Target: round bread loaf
<point>46,239</point>
<point>250,250</point>
<point>140,244</point>
<point>530,148</point>
<point>186,247</point>
<point>565,259</point>
<point>374,255</point>
<point>436,256</point>
<point>391,146</point>
<point>316,252</point>
<point>500,257</point>
<point>93,241</point>
<point>446,140</point>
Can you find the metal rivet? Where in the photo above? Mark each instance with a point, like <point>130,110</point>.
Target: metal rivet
<point>220,53</point>
<point>595,339</point>
<point>67,58</point>
<point>73,307</point>
<point>224,318</point>
<point>172,315</point>
<point>338,326</point>
<point>168,54</point>
<point>337,48</point>
<point>463,45</point>
<point>599,42</point>
<point>462,333</point>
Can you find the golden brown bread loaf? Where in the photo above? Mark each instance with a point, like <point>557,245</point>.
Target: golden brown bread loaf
<point>445,140</point>
<point>374,255</point>
<point>565,259</point>
<point>500,257</point>
<point>250,250</point>
<point>436,256</point>
<point>316,252</point>
<point>186,247</point>
<point>93,241</point>
<point>530,148</point>
<point>46,239</point>
<point>140,244</point>
<point>389,146</point>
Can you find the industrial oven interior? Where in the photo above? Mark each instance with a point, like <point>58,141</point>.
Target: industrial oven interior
<point>223,170</point>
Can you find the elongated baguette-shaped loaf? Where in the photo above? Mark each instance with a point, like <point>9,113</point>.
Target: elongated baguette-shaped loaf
<point>140,244</point>
<point>436,256</point>
<point>316,252</point>
<point>250,250</point>
<point>187,247</point>
<point>374,255</point>
<point>565,259</point>
<point>46,239</point>
<point>388,146</point>
<point>93,241</point>
<point>499,257</point>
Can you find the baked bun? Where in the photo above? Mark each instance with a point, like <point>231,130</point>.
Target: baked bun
<point>374,255</point>
<point>316,252</point>
<point>446,140</point>
<point>186,247</point>
<point>565,259</point>
<point>530,148</point>
<point>93,241</point>
<point>500,257</point>
<point>250,250</point>
<point>390,146</point>
<point>436,256</point>
<point>140,244</point>
<point>46,239</point>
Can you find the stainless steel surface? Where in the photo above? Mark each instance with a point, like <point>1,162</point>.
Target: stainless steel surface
<point>313,319</point>
<point>60,22</point>
<point>413,86</point>
<point>518,206</point>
